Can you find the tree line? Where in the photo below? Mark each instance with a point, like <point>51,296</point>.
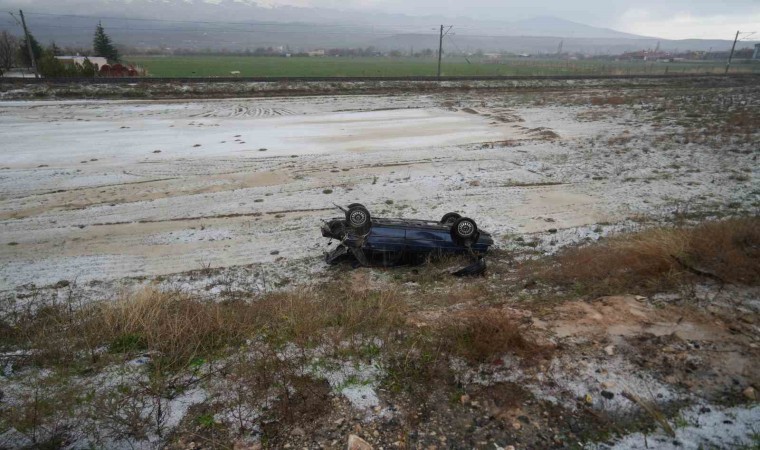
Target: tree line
<point>14,52</point>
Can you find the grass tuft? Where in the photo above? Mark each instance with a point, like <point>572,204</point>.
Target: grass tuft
<point>484,335</point>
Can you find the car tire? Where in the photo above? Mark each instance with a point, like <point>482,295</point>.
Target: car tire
<point>449,218</point>
<point>464,231</point>
<point>358,218</point>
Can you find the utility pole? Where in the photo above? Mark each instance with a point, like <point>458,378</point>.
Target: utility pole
<point>440,50</point>
<point>440,47</point>
<point>29,45</point>
<point>731,55</point>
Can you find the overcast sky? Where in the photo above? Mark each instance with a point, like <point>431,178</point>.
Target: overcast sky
<point>672,19</point>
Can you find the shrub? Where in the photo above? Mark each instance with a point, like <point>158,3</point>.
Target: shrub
<point>659,259</point>
<point>484,335</point>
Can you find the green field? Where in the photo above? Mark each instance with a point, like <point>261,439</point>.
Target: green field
<point>250,66</point>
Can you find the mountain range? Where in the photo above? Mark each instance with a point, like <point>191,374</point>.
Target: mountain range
<point>237,25</point>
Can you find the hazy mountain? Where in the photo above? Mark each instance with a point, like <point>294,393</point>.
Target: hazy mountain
<point>250,11</point>
<point>244,24</point>
<point>552,26</point>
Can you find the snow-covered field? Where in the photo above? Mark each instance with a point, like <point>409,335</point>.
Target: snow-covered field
<point>101,190</point>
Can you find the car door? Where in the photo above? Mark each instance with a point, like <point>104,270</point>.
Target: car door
<point>421,238</point>
<point>386,238</point>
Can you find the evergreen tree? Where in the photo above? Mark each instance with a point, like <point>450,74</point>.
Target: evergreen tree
<point>55,50</point>
<point>23,52</point>
<point>88,68</point>
<point>102,45</point>
<point>50,67</point>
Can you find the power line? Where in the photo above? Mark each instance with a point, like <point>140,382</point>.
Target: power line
<point>440,47</point>
<point>733,47</point>
<point>451,38</point>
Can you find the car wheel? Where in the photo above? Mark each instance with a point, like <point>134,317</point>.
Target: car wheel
<point>353,205</point>
<point>449,218</point>
<point>358,218</point>
<point>464,230</point>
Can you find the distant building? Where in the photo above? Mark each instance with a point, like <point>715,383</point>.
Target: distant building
<point>99,61</point>
<point>645,55</point>
<point>320,52</point>
<point>120,71</point>
<point>756,55</point>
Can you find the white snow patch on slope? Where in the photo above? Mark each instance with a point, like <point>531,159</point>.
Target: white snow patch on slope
<point>718,428</point>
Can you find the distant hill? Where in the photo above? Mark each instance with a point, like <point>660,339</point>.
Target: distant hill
<point>552,26</point>
<point>237,25</point>
<point>548,45</point>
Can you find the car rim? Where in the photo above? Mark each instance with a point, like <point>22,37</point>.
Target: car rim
<point>358,218</point>
<point>465,229</point>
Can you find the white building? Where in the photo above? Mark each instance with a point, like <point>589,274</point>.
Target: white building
<point>79,60</point>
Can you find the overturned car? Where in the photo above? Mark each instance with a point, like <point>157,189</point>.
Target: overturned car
<point>371,241</point>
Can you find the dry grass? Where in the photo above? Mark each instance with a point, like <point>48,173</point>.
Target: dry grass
<point>711,125</point>
<point>659,259</point>
<point>730,249</point>
<point>484,335</point>
<point>741,122</point>
<point>178,328</point>
<point>175,326</point>
<point>608,100</point>
<point>334,311</point>
<point>418,363</point>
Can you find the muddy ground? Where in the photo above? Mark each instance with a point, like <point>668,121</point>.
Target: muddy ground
<point>221,198</point>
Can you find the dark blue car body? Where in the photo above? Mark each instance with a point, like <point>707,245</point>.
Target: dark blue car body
<point>395,241</point>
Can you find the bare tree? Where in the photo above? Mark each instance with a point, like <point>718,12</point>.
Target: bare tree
<point>8,46</point>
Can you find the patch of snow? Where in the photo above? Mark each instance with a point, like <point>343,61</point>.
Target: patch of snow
<point>569,379</point>
<point>716,428</point>
<point>580,378</point>
<point>357,382</point>
<point>178,406</point>
<point>361,396</point>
